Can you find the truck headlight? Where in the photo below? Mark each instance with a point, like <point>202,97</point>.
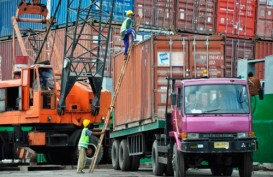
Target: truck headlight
<point>242,135</point>
<point>193,135</point>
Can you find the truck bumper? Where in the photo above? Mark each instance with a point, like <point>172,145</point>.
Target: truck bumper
<point>219,146</point>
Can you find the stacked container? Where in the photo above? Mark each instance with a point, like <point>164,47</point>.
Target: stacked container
<point>245,25</point>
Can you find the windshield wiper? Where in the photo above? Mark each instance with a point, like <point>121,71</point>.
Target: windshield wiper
<point>212,110</point>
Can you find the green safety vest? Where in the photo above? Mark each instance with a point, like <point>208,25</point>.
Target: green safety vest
<point>123,26</point>
<point>84,139</point>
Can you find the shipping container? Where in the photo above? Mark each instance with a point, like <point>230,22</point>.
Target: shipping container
<point>236,18</point>
<point>237,49</point>
<point>264,22</point>
<point>262,49</point>
<point>164,14</point>
<point>196,16</point>
<point>121,6</point>
<point>142,95</point>
<point>8,10</point>
<point>156,14</point>
<point>145,9</point>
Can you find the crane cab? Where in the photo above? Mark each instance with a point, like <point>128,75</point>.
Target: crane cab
<point>33,92</point>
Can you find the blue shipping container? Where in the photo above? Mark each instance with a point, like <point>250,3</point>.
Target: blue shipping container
<point>9,7</point>
<point>118,16</point>
<point>8,10</point>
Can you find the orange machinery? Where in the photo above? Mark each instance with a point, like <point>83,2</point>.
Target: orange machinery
<point>32,100</point>
<point>37,113</point>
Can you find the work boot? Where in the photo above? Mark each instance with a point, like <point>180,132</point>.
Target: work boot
<point>125,57</point>
<point>80,172</point>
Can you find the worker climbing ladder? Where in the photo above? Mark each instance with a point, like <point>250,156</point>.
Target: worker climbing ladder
<point>123,70</point>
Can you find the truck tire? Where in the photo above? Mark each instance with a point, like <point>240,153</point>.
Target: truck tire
<point>93,145</point>
<point>169,166</point>
<point>215,171</point>
<point>135,162</point>
<point>227,171</point>
<point>158,168</point>
<point>245,168</point>
<point>178,163</point>
<point>124,158</point>
<point>115,155</point>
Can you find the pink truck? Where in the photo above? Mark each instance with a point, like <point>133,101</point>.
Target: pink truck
<point>210,126</point>
<point>190,123</point>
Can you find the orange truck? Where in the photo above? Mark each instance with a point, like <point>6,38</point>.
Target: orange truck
<point>29,118</point>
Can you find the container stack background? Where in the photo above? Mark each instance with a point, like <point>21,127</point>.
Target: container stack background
<point>245,27</point>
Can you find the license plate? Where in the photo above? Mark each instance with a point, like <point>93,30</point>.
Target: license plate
<point>224,145</point>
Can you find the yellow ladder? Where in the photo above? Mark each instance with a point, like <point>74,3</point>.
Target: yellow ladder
<point>121,76</point>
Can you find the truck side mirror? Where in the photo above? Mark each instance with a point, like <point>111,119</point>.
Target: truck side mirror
<point>173,99</point>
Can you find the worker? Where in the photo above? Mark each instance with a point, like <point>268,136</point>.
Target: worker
<point>254,84</point>
<point>127,29</point>
<point>83,144</point>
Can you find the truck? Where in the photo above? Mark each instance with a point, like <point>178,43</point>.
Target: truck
<point>41,109</point>
<point>154,117</point>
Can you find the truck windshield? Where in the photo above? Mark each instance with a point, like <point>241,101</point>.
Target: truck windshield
<point>207,99</point>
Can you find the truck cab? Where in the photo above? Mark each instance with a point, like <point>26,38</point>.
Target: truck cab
<point>212,126</point>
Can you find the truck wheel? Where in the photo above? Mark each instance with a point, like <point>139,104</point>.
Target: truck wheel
<point>227,171</point>
<point>124,158</point>
<point>245,168</point>
<point>169,166</point>
<point>178,163</point>
<point>216,171</point>
<point>158,168</point>
<point>93,147</point>
<point>135,162</point>
<point>115,156</point>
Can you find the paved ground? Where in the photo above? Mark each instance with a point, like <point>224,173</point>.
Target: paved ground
<point>143,172</point>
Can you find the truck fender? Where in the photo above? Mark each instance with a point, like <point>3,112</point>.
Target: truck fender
<point>177,139</point>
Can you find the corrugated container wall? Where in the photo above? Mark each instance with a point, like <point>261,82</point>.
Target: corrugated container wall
<point>196,16</point>
<point>53,50</point>
<point>8,10</point>
<point>164,14</point>
<point>157,14</point>
<point>236,18</point>
<point>7,62</point>
<point>262,49</point>
<point>145,8</point>
<point>118,15</point>
<point>264,22</point>
<point>237,49</point>
<point>142,95</point>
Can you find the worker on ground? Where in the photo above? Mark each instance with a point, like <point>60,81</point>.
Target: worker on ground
<point>254,84</point>
<point>83,144</point>
<point>128,29</point>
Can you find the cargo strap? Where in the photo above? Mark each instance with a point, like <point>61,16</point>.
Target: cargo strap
<point>121,76</point>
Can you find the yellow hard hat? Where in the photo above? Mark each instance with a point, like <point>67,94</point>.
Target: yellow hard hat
<point>85,122</point>
<point>205,71</point>
<point>129,12</point>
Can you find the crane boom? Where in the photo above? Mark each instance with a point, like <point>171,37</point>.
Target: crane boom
<point>80,60</point>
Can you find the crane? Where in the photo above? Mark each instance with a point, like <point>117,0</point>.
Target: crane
<point>89,63</point>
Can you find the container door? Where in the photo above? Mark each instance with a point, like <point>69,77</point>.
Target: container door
<point>206,54</point>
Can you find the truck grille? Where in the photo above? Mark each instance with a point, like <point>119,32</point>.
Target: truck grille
<point>218,135</point>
